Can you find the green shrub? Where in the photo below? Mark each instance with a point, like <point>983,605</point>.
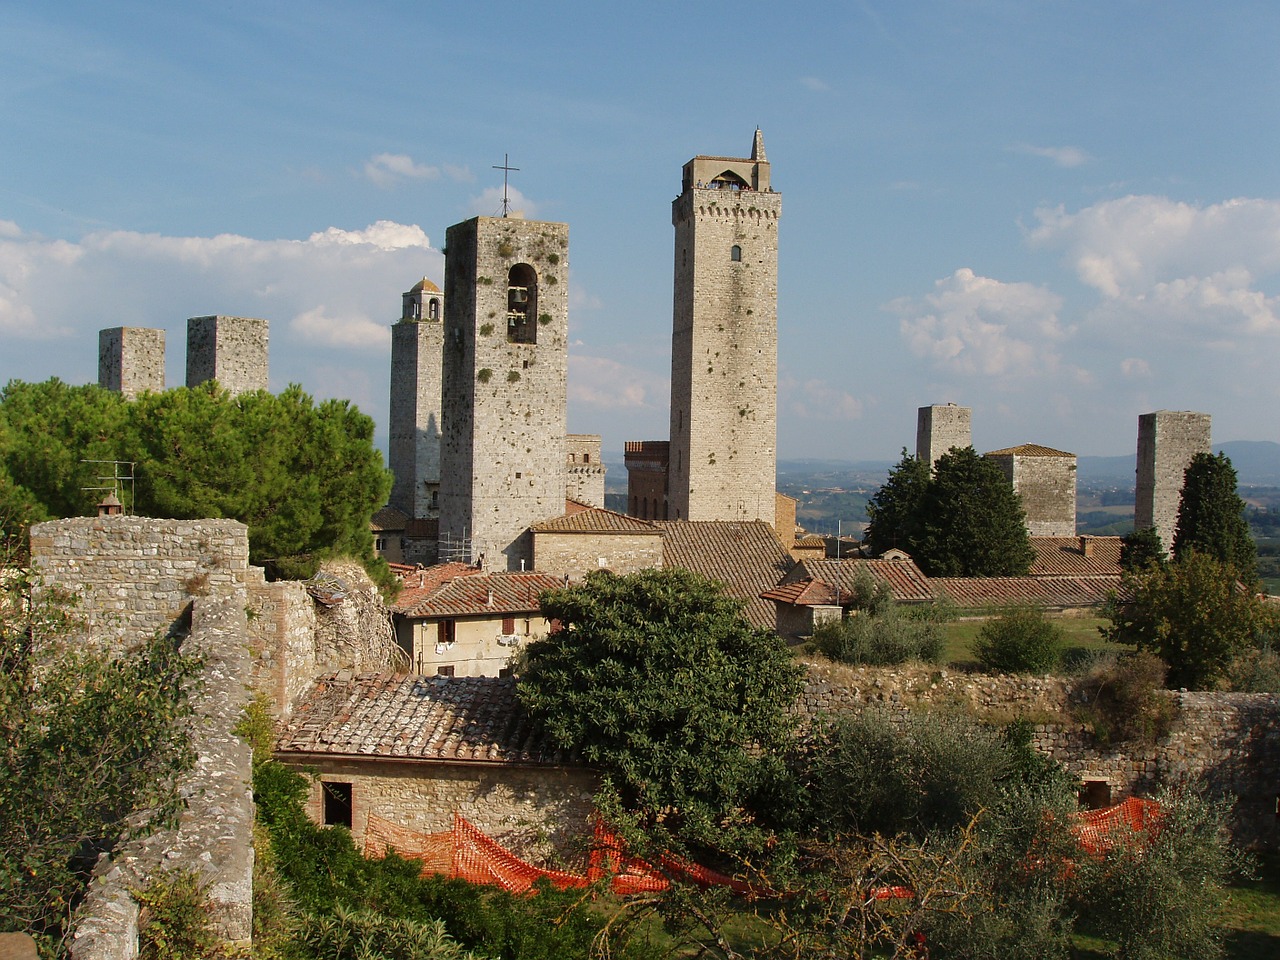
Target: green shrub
<point>1124,700</point>
<point>1019,640</point>
<point>1255,671</point>
<point>174,921</point>
<point>884,639</point>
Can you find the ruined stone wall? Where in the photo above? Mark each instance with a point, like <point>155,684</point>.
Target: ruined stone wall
<point>231,350</point>
<point>537,812</point>
<point>1167,440</point>
<point>131,360</point>
<point>1231,742</point>
<point>133,576</point>
<point>577,554</point>
<point>414,427</point>
<point>939,428</point>
<point>214,834</point>
<point>282,628</point>
<point>724,354</point>
<point>503,464</point>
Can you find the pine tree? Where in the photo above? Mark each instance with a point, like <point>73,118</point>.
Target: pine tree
<point>894,509</point>
<point>1211,516</point>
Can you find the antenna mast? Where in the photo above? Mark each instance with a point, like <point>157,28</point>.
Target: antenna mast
<point>505,168</point>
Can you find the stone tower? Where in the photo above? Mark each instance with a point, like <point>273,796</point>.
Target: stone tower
<point>941,427</point>
<point>585,468</point>
<point>1045,481</point>
<point>503,465</point>
<point>414,449</point>
<point>724,340</point>
<point>131,360</point>
<point>1167,440</point>
<point>231,350</point>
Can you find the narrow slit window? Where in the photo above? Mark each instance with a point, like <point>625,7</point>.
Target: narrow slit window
<point>735,253</point>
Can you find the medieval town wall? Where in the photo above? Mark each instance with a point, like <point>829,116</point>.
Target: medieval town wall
<point>1230,741</point>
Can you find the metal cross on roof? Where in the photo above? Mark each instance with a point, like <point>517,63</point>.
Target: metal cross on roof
<point>505,168</point>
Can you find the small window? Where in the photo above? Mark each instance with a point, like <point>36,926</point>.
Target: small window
<point>586,458</point>
<point>445,631</point>
<point>380,544</point>
<point>508,625</point>
<point>522,304</point>
<point>433,309</point>
<point>445,671</point>
<point>735,253</point>
<point>337,804</point>
<point>1095,795</point>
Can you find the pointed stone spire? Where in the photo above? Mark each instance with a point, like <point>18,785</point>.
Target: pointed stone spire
<point>757,148</point>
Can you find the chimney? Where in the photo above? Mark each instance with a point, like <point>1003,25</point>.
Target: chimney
<point>110,506</point>
<point>1086,546</point>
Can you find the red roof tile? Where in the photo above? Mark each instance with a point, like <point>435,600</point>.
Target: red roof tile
<point>1028,450</point>
<point>747,557</point>
<point>459,719</point>
<point>994,592</point>
<point>479,595</point>
<point>595,520</point>
<point>905,579</point>
<point>1065,556</point>
<point>808,593</point>
<point>389,518</point>
<point>421,583</point>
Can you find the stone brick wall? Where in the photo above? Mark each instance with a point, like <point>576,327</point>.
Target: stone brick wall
<point>1047,487</point>
<point>1167,440</point>
<point>231,350</point>
<point>503,464</point>
<point>939,428</point>
<point>724,350</point>
<point>282,628</point>
<point>131,360</point>
<point>577,554</point>
<point>414,428</point>
<point>214,835</point>
<point>133,576</point>
<point>647,464</point>
<point>1229,741</point>
<point>585,468</point>
<point>534,811</point>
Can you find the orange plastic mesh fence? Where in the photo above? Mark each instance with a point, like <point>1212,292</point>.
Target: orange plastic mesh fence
<point>1097,831</point>
<point>434,850</point>
<point>479,859</point>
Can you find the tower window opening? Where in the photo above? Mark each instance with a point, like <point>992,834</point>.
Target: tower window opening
<point>735,253</point>
<point>433,309</point>
<point>522,304</point>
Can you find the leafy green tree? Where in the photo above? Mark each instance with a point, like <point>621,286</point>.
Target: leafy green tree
<point>1140,549</point>
<point>89,750</point>
<point>880,632</point>
<point>1194,614</point>
<point>894,509</point>
<point>658,679</point>
<point>971,521</point>
<point>1211,516</point>
<point>1020,640</point>
<point>304,477</point>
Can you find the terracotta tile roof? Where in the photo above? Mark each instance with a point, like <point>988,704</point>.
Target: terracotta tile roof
<point>812,540</point>
<point>423,528</point>
<point>1064,556</point>
<point>596,520</point>
<point>746,556</point>
<point>572,506</point>
<point>1028,450</point>
<point>422,582</point>
<point>993,592</point>
<point>905,579</point>
<point>389,518</point>
<point>442,719</point>
<point>808,593</point>
<point>480,595</point>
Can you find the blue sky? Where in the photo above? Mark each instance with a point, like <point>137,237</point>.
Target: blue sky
<point>1062,214</point>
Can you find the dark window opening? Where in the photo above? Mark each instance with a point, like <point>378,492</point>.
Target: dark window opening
<point>735,253</point>
<point>505,672</point>
<point>445,631</point>
<point>586,458</point>
<point>337,804</point>
<point>522,304</point>
<point>433,309</point>
<point>1095,795</point>
<point>445,671</point>
<point>508,625</point>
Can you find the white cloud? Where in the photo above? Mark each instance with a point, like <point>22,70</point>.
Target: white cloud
<point>489,203</point>
<point>975,325</point>
<point>1061,156</point>
<point>1135,367</point>
<point>814,84</point>
<point>388,169</point>
<point>358,331</point>
<point>602,383</point>
<point>815,399</point>
<point>1174,266</point>
<point>384,235</point>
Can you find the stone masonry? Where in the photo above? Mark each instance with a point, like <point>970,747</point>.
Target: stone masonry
<point>417,343</point>
<point>939,428</point>
<point>1167,440</point>
<point>231,350</point>
<point>503,460</point>
<point>1045,480</point>
<point>724,342</point>
<point>131,360</point>
<point>586,469</point>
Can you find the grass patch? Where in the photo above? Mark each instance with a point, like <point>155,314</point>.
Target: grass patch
<point>1081,634</point>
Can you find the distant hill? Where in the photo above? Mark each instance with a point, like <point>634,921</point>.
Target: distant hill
<point>1257,464</point>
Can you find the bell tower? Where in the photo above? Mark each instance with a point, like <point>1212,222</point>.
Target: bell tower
<point>724,341</point>
<point>414,449</point>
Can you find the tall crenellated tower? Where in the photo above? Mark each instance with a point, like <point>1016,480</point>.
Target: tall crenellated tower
<point>503,462</point>
<point>724,340</point>
<point>417,341</point>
